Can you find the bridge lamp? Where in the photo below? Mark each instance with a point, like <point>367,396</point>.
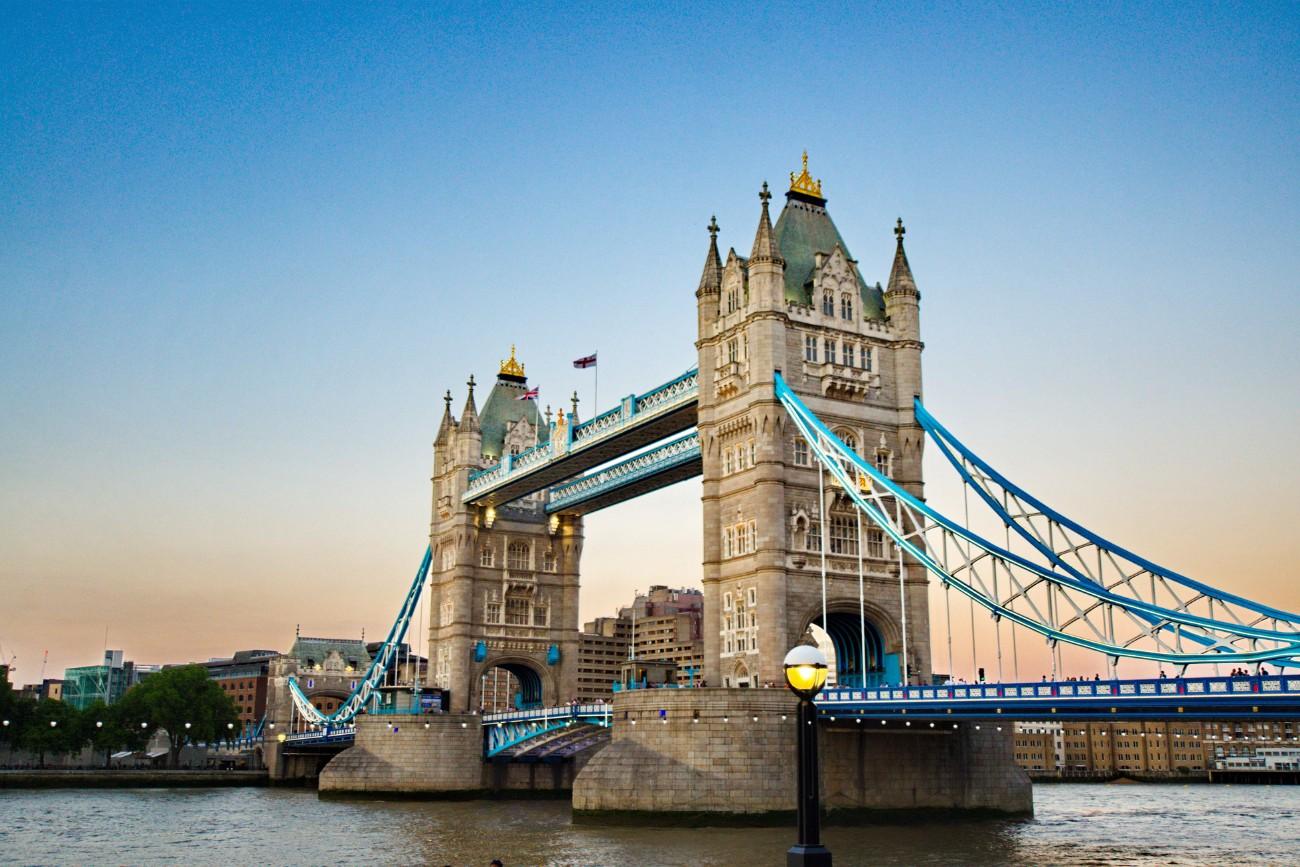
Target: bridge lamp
<point>98,725</point>
<point>53,723</point>
<point>228,726</point>
<point>144,725</point>
<point>489,517</point>
<point>187,725</point>
<point>280,737</point>
<point>805,674</point>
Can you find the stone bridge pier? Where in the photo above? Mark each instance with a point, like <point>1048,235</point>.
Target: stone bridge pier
<point>704,753</point>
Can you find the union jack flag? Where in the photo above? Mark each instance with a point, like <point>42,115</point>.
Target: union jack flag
<point>531,394</point>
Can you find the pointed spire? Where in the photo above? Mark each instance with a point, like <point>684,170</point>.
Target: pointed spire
<point>765,248</point>
<point>573,416</point>
<point>469,415</point>
<point>900,276</point>
<point>447,423</point>
<point>711,279</point>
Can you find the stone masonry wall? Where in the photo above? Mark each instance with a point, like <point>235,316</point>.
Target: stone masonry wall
<point>724,763</point>
<point>867,767</point>
<point>398,754</point>
<point>740,759</point>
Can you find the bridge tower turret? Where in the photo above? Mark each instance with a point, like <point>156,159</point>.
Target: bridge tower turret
<point>706,296</point>
<point>504,578</point>
<point>800,305</point>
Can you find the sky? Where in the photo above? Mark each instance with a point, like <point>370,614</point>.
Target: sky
<point>244,248</point>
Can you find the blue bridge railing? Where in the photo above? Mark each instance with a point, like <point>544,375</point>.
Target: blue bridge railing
<point>1264,695</point>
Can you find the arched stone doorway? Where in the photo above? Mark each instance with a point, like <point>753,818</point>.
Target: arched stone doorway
<point>858,650</point>
<point>511,685</point>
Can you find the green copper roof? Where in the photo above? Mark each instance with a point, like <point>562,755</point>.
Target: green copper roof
<point>805,228</point>
<point>502,410</point>
<point>313,651</point>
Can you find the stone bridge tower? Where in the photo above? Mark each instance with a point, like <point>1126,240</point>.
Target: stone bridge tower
<point>852,350</point>
<point>503,581</point>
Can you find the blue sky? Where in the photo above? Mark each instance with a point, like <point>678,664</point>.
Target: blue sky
<point>244,249</point>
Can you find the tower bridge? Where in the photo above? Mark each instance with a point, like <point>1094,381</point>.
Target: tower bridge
<point>804,419</point>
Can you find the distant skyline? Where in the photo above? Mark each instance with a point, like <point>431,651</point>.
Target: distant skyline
<point>245,249</point>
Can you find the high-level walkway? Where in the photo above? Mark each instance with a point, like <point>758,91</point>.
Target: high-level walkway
<point>638,421</point>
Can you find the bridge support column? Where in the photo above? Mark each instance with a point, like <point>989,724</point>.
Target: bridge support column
<point>703,753</point>
<point>434,753</point>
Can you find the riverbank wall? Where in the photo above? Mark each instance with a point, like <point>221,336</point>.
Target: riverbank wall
<point>151,779</point>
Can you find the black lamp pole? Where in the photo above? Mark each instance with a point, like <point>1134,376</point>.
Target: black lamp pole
<point>809,851</point>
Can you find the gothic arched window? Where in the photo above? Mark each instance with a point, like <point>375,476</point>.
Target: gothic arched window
<point>548,561</point>
<point>846,307</point>
<point>828,304</point>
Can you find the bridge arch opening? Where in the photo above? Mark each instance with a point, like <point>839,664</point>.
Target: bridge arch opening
<point>844,639</point>
<point>510,685</point>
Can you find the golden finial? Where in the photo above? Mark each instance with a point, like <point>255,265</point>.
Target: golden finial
<point>804,182</point>
<point>511,366</point>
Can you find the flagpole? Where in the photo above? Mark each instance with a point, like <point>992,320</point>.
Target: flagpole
<point>595,391</point>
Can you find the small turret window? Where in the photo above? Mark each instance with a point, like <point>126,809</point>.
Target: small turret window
<point>801,451</point>
<point>848,355</point>
<point>548,561</point>
<point>810,348</point>
<point>828,304</point>
<point>883,462</point>
<point>733,351</point>
<point>866,358</point>
<point>486,557</point>
<point>846,307</point>
<point>829,346</point>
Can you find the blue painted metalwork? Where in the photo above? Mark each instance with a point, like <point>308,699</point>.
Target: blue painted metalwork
<point>326,736</point>
<point>383,659</point>
<point>1163,698</point>
<point>600,482</point>
<point>553,655</point>
<point>631,411</point>
<point>1128,572</point>
<point>503,731</point>
<point>480,651</point>
<point>838,458</point>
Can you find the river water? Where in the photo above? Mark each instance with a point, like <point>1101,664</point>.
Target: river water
<point>1095,824</point>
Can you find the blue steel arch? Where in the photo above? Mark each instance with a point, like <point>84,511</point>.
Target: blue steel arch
<point>838,459</point>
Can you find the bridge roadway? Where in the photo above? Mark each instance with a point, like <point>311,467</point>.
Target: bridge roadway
<point>638,421</point>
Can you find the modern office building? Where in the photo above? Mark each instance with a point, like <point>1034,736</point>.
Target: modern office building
<point>663,625</point>
<point>107,682</point>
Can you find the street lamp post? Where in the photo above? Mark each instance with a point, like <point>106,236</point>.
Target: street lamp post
<point>805,674</point>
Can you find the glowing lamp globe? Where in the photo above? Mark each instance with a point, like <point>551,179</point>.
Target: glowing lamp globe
<point>280,737</point>
<point>805,671</point>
